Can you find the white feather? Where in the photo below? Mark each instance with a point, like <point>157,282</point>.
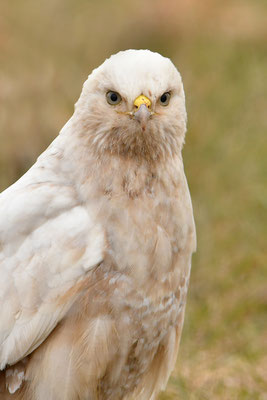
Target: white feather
<point>48,240</point>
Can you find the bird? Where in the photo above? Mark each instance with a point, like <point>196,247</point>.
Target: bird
<point>96,241</point>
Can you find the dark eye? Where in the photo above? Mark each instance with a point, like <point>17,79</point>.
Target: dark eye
<point>165,98</point>
<point>113,98</point>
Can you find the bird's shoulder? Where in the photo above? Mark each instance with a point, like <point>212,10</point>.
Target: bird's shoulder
<point>48,241</point>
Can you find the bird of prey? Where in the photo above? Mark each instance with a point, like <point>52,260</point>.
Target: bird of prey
<point>96,242</point>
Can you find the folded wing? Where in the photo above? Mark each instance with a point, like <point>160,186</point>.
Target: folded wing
<point>48,242</point>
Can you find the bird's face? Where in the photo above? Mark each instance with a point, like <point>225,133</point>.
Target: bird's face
<point>133,105</point>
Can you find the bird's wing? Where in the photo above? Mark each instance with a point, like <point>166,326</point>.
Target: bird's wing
<point>48,241</point>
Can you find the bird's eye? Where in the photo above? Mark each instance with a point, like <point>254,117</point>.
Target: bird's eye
<point>165,98</point>
<point>113,98</point>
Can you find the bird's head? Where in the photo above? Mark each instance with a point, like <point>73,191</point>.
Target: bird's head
<point>133,105</point>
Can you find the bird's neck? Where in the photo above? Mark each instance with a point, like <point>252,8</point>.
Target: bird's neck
<point>121,176</point>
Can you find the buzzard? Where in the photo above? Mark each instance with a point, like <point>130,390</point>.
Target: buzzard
<point>96,242</point>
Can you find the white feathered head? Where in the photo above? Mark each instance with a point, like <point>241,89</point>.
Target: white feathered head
<point>133,105</point>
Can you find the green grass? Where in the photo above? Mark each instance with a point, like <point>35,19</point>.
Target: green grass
<point>46,51</point>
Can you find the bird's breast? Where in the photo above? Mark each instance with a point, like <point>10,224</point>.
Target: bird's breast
<point>147,237</point>
<point>147,218</point>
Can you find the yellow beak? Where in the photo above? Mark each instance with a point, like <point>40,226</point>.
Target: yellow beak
<point>142,100</point>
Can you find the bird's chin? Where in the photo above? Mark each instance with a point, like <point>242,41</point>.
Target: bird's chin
<point>131,139</point>
<point>142,126</point>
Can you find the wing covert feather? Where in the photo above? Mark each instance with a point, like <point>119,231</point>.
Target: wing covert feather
<point>48,241</point>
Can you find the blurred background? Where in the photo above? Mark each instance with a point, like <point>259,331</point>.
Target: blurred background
<point>47,49</point>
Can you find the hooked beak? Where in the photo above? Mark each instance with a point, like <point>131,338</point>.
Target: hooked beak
<point>142,115</point>
<point>142,105</point>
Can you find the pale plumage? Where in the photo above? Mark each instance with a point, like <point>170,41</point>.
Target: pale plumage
<point>96,242</point>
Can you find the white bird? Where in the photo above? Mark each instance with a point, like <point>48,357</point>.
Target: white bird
<point>96,242</point>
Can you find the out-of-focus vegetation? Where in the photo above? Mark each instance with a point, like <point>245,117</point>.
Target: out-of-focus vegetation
<point>46,51</point>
